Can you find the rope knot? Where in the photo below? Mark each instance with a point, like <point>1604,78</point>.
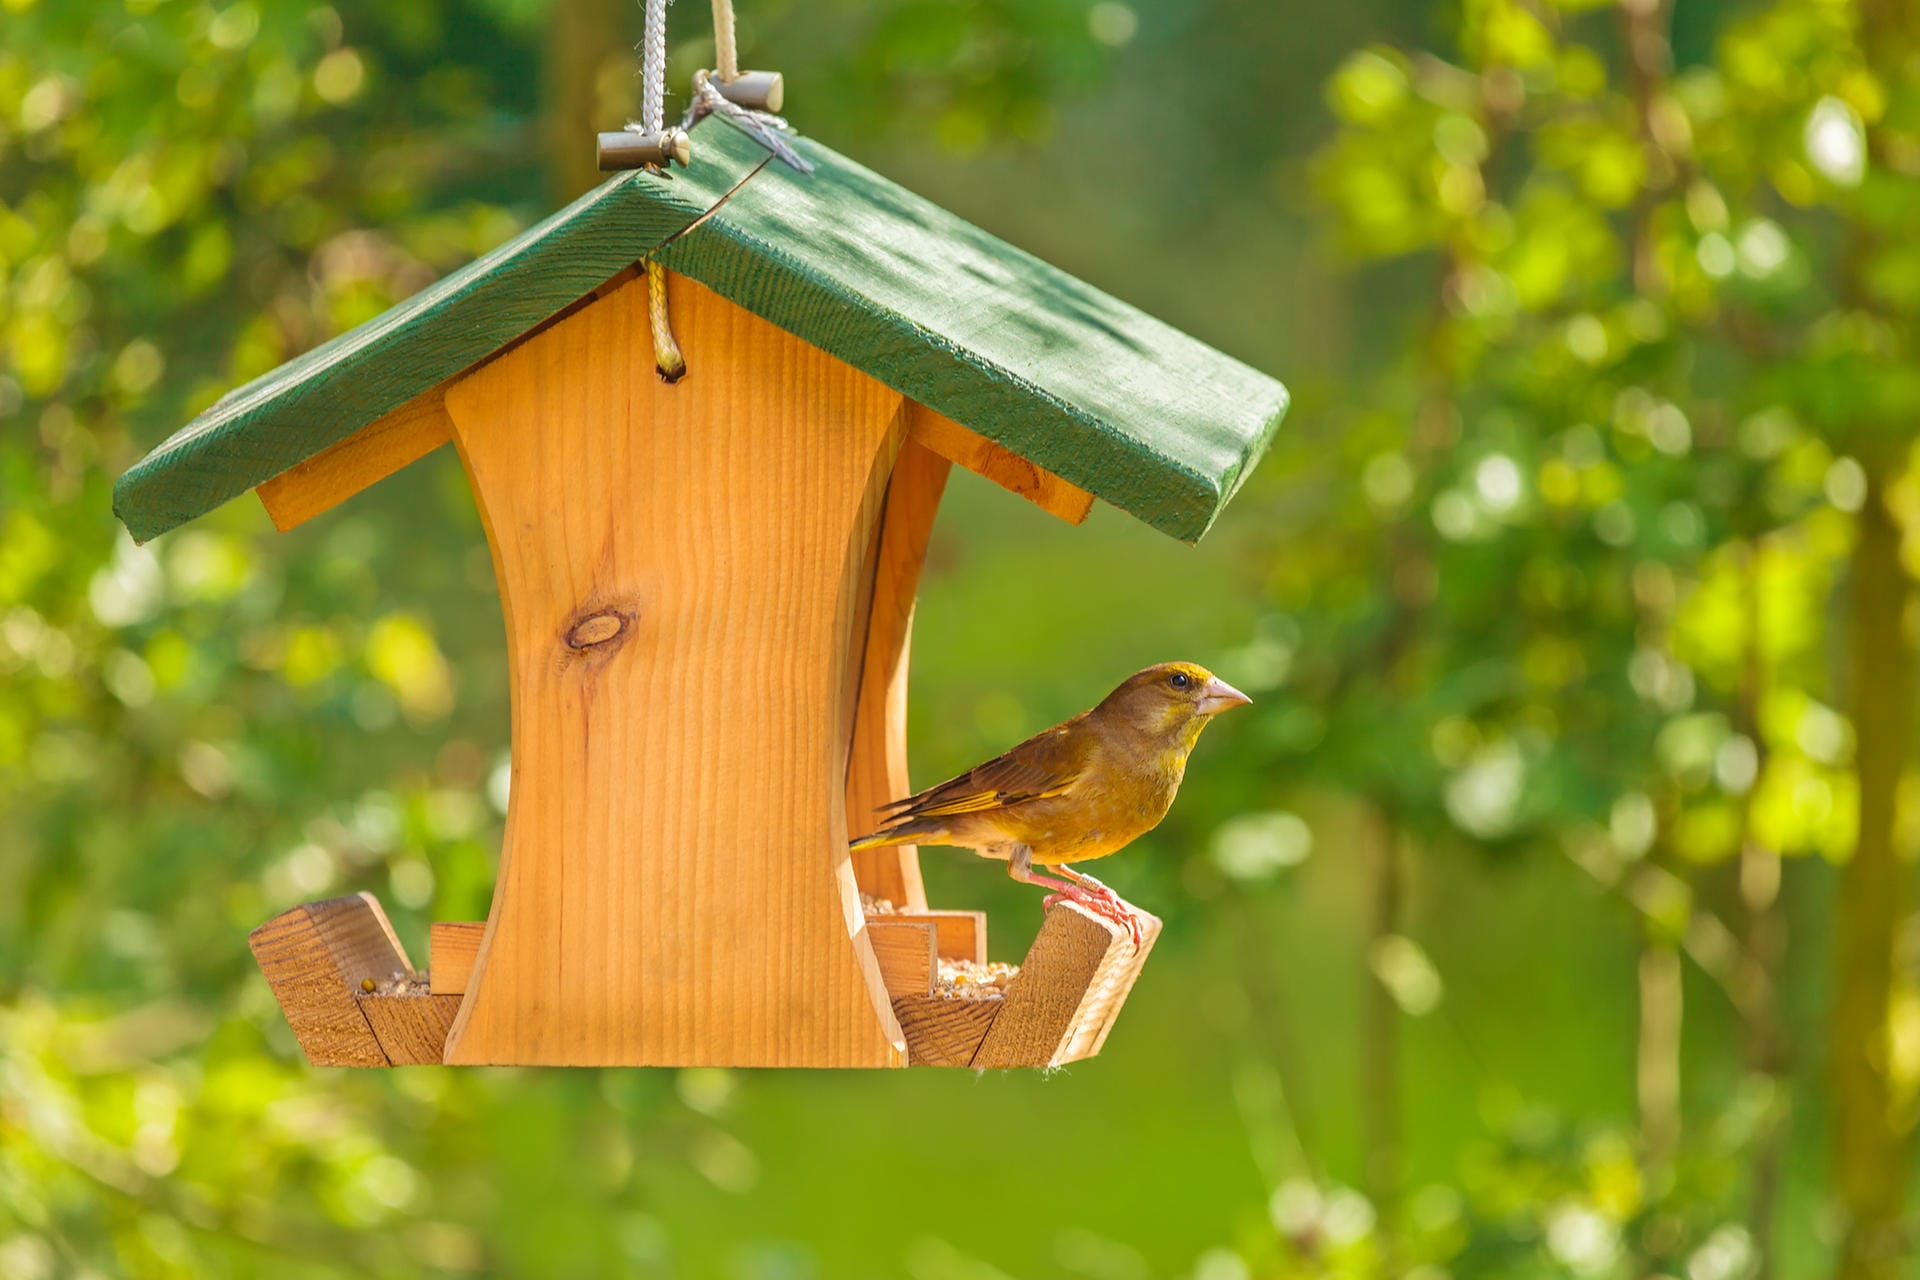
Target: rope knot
<point>764,127</point>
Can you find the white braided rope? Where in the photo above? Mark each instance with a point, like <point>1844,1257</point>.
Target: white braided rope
<point>726,56</point>
<point>653,67</point>
<point>653,112</point>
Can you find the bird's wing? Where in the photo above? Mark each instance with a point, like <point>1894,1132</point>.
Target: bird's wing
<point>1044,765</point>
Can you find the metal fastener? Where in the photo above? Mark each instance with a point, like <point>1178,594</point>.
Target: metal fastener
<point>754,90</point>
<point>629,150</point>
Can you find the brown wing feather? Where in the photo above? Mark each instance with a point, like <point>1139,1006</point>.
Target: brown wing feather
<point>1044,765</point>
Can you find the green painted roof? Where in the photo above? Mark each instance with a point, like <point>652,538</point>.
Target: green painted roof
<point>1101,394</point>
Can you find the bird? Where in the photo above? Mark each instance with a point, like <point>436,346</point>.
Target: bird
<point>1081,790</point>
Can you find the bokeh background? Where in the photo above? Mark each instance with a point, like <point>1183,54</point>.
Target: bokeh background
<point>1549,915</point>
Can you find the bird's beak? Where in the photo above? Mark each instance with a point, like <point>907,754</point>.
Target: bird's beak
<point>1220,696</point>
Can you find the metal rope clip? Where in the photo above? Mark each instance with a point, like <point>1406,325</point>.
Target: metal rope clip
<point>754,90</point>
<point>631,149</point>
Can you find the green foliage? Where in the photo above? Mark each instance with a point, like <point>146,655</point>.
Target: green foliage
<point>1599,359</point>
<point>1611,477</point>
<point>1633,381</point>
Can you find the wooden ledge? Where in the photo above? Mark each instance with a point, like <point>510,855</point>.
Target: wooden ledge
<point>1057,1010</point>
<point>320,957</point>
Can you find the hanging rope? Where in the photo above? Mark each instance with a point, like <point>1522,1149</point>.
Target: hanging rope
<point>666,352</point>
<point>759,89</point>
<point>667,357</point>
<point>653,67</point>
<point>726,58</point>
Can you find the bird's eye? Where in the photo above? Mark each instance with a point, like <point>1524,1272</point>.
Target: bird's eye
<point>1180,680</point>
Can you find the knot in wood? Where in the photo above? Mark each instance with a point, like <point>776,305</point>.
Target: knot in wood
<point>595,629</point>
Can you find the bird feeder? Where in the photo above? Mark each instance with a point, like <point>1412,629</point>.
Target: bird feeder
<point>708,588</point>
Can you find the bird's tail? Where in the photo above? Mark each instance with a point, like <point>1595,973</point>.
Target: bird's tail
<point>898,833</point>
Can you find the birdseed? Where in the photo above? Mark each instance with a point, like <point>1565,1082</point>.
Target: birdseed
<point>398,983</point>
<point>955,979</point>
<point>969,980</point>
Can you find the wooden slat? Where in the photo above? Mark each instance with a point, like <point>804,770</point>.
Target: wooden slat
<point>370,454</point>
<point>944,1033</point>
<point>675,886</point>
<point>877,765</point>
<point>1001,465</point>
<point>958,935</point>
<point>451,950</point>
<point>412,1029</point>
<point>315,957</point>
<point>906,955</point>
<point>1068,991</point>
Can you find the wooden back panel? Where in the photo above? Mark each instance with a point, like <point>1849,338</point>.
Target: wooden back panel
<point>681,568</point>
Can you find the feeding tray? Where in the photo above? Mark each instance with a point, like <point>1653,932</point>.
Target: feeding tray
<point>354,999</point>
<point>708,590</point>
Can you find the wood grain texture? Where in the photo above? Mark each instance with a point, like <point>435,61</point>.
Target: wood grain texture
<point>1060,1005</point>
<point>1001,465</point>
<point>906,955</point>
<point>1112,984</point>
<point>1090,389</point>
<point>958,935</point>
<point>371,454</point>
<point>451,950</point>
<point>944,1033</point>
<point>315,957</point>
<point>877,764</point>
<point>412,1029</point>
<point>675,886</point>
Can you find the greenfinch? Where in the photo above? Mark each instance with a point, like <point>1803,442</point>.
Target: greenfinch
<point>1078,791</point>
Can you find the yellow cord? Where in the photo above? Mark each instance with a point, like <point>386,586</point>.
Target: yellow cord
<point>725,60</point>
<point>666,352</point>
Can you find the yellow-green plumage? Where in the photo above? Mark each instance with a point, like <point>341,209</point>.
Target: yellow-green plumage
<point>1080,790</point>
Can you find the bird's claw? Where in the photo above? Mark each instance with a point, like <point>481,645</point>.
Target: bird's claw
<point>1097,888</point>
<point>1102,902</point>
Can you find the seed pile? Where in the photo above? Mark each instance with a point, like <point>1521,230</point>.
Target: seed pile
<point>955,979</point>
<point>397,983</point>
<point>969,980</point>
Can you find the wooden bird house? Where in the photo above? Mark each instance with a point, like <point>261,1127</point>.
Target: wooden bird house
<point>708,588</point>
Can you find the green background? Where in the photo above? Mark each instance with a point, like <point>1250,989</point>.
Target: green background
<point>1573,599</point>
